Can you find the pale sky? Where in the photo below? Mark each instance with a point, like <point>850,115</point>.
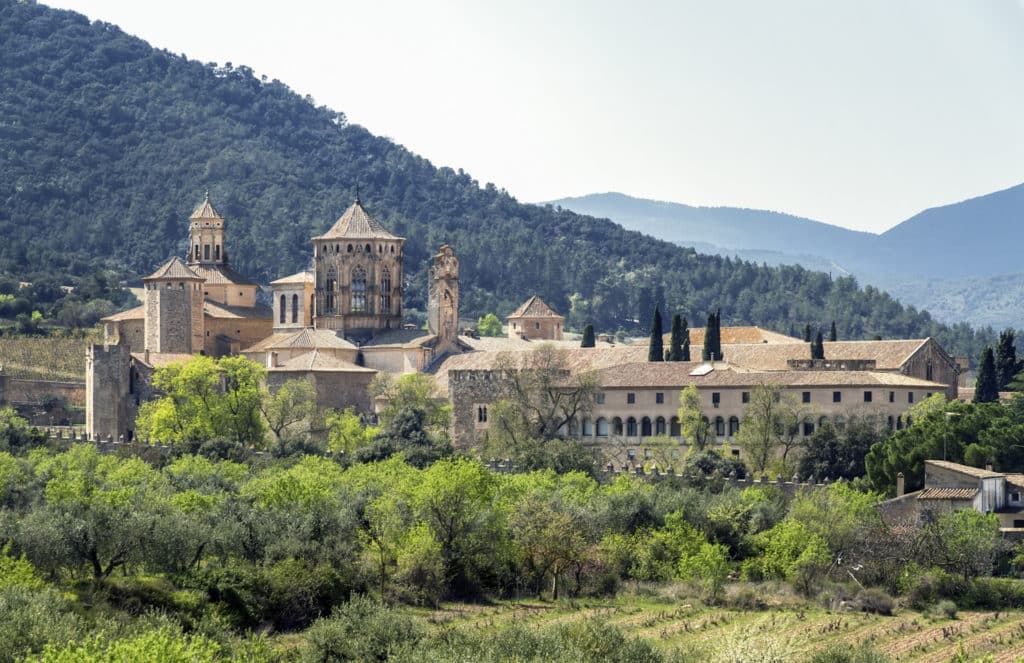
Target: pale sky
<point>855,112</point>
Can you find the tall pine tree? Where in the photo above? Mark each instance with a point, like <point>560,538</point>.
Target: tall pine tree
<point>832,333</point>
<point>1007,365</point>
<point>656,350</point>
<point>986,389</point>
<point>675,347</point>
<point>588,337</point>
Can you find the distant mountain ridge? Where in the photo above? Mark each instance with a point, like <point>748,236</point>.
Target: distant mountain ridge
<point>943,259</point>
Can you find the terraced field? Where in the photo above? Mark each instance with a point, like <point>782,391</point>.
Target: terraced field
<point>796,632</point>
<point>40,358</point>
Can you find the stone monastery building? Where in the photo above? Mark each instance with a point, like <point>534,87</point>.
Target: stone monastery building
<point>340,322</point>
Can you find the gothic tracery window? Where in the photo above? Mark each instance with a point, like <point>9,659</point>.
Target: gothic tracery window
<point>332,280</point>
<point>385,291</point>
<point>358,302</point>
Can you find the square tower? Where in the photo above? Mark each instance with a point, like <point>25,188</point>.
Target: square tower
<point>174,309</point>
<point>443,295</point>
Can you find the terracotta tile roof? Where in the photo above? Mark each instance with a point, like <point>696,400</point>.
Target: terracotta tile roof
<point>534,307</point>
<point>888,355</point>
<point>305,276</point>
<point>947,494</point>
<point>975,472</point>
<point>205,210</point>
<point>302,339</point>
<point>677,375</point>
<point>157,359</point>
<point>222,311</point>
<point>318,361</point>
<point>966,394</point>
<point>356,223</point>
<point>518,343</point>
<point>406,338</point>
<point>137,313</point>
<point>734,335</point>
<point>175,268</point>
<point>220,275</point>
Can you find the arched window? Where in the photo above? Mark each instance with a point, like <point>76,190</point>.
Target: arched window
<point>358,301</point>
<point>312,305</point>
<point>385,291</point>
<point>588,427</point>
<point>822,421</point>
<point>332,284</point>
<point>392,249</point>
<point>617,426</point>
<point>295,308</point>
<point>910,420</point>
<point>350,248</point>
<point>645,427</point>
<point>719,426</point>
<point>892,423</point>
<point>734,425</point>
<point>282,312</point>
<point>481,414</point>
<point>368,249</point>
<point>631,427</point>
<point>659,426</point>
<point>675,429</point>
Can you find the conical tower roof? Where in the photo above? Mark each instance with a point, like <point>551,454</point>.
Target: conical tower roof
<point>205,210</point>
<point>356,223</point>
<point>174,269</point>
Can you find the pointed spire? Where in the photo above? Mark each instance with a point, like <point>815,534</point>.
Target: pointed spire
<point>205,209</point>
<point>358,202</point>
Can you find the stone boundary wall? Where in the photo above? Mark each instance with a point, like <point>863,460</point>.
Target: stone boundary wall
<point>20,391</point>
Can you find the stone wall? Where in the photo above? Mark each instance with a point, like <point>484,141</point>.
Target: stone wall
<point>334,390</point>
<point>106,390</point>
<point>468,391</point>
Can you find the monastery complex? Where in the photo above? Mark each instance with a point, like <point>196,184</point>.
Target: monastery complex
<point>340,323</point>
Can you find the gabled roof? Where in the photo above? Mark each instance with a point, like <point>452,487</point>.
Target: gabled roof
<point>356,223</point>
<point>888,355</point>
<point>948,494</point>
<point>214,309</point>
<point>534,307</point>
<point>174,269</point>
<point>317,361</point>
<point>736,335</point>
<point>221,275</point>
<point>976,472</point>
<point>306,338</point>
<point>137,313</point>
<point>205,210</point>
<point>305,276</point>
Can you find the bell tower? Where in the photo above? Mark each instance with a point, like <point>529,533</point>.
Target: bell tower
<point>443,295</point>
<point>206,236</point>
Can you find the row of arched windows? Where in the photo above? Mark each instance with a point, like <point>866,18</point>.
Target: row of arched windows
<point>355,248</point>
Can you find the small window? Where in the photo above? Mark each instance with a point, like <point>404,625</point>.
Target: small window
<point>806,397</point>
<point>630,398</point>
<point>206,251</point>
<point>716,398</point>
<point>867,396</point>
<point>1015,497</point>
<point>928,394</point>
<point>659,397</point>
<point>736,453</point>
<point>808,428</point>
<point>719,426</point>
<point>910,397</point>
<point>631,453</point>
<point>481,414</point>
<point>837,397</point>
<point>928,371</point>
<point>536,325</point>
<point>349,248</point>
<point>745,397</point>
<point>599,398</point>
<point>892,396</point>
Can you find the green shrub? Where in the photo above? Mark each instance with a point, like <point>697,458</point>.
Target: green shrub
<point>32,618</point>
<point>994,594</point>
<point>874,600</point>
<point>360,630</point>
<point>946,608</point>
<point>845,654</point>
<point>923,587</point>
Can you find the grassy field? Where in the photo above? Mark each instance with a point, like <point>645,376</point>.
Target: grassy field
<point>42,358</point>
<point>794,631</point>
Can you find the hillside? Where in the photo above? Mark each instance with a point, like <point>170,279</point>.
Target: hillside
<point>106,144</point>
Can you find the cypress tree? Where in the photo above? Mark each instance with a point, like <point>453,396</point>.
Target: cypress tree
<point>675,351</point>
<point>717,349</point>
<point>686,346</point>
<point>588,337</point>
<point>807,333</point>
<point>986,389</point>
<point>709,338</point>
<point>1007,366</point>
<point>656,350</point>
<point>832,333</point>
<point>818,347</point>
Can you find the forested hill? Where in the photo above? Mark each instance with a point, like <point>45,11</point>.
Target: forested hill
<point>106,145</point>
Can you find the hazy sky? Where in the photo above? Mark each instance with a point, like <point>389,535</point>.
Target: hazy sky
<point>859,113</point>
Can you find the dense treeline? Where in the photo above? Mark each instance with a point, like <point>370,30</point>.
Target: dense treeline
<point>107,144</point>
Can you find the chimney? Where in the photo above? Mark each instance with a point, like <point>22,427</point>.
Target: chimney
<point>988,467</point>
<point>271,360</point>
<point>900,490</point>
<point>145,357</point>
